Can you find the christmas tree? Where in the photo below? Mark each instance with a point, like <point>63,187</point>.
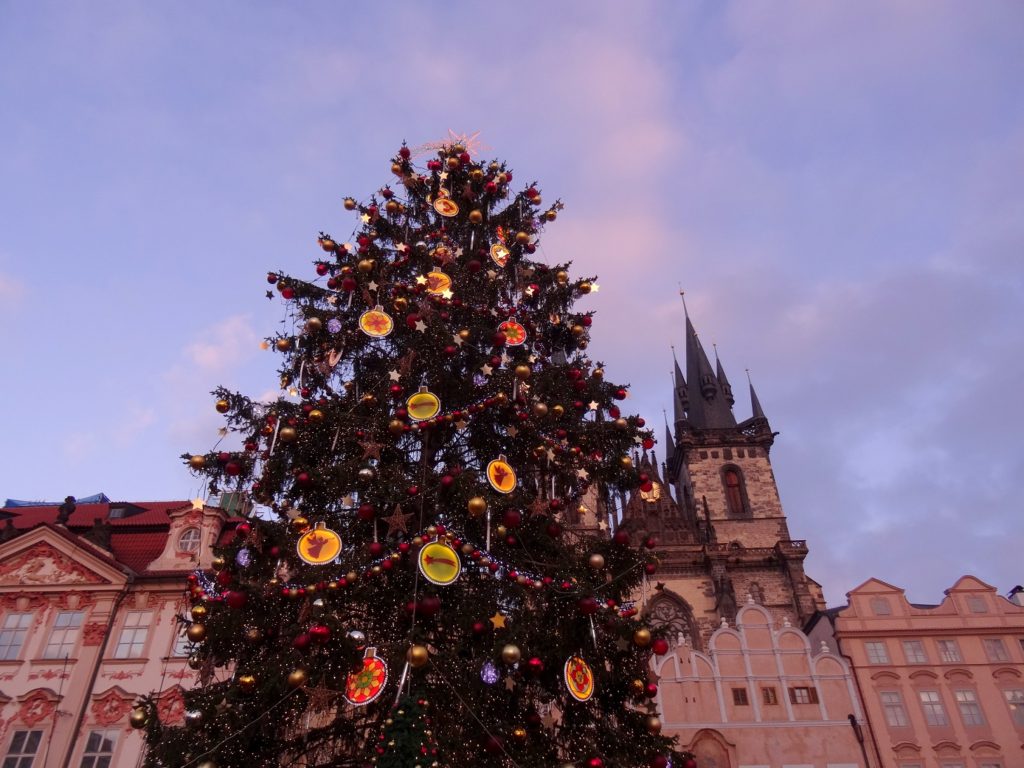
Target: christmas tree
<point>431,579</point>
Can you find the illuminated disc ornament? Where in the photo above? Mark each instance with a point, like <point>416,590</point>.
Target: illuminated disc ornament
<point>376,323</point>
<point>368,683</point>
<point>446,207</point>
<point>579,678</point>
<point>439,563</point>
<point>438,282</point>
<point>501,476</point>
<point>500,254</point>
<point>514,332</point>
<point>318,545</point>
<point>423,405</point>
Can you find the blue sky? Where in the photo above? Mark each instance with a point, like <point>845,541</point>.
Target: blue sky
<point>836,185</point>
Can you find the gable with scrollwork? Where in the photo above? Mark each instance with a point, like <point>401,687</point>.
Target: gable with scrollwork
<point>44,564</point>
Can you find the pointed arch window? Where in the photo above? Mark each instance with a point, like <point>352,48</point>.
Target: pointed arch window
<point>735,491</point>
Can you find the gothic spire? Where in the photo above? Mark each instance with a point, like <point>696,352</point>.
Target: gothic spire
<point>709,408</point>
<point>680,382</point>
<point>670,447</point>
<point>755,404</point>
<point>723,382</point>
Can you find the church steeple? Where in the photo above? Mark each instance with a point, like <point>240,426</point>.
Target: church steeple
<point>755,405</point>
<point>711,409</point>
<point>723,382</point>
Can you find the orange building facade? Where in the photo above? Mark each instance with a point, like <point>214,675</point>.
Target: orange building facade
<point>942,685</point>
<point>88,624</point>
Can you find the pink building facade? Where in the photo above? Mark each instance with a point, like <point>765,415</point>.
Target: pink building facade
<point>761,697</point>
<point>942,685</point>
<point>88,624</point>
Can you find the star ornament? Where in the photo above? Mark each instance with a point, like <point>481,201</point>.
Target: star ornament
<point>498,620</point>
<point>198,503</point>
<point>421,326</point>
<point>398,521</point>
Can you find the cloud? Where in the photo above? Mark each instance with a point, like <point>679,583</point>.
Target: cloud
<point>12,291</point>
<point>222,346</point>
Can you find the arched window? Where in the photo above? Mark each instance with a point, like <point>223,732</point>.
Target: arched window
<point>674,615</point>
<point>735,492</point>
<point>189,540</point>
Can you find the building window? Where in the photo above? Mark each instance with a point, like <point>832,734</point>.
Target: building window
<point>1015,701</point>
<point>914,651</point>
<point>22,752</point>
<point>895,714</point>
<point>990,765</point>
<point>977,604</point>
<point>769,696</point>
<point>189,540</point>
<point>182,645</point>
<point>12,636</point>
<point>803,695</point>
<point>739,697</point>
<point>934,712</point>
<point>735,493</point>
<point>64,634</point>
<point>99,749</point>
<point>969,709</point>
<point>995,649</point>
<point>949,651</point>
<point>877,653</point>
<point>133,635</point>
<point>880,606</point>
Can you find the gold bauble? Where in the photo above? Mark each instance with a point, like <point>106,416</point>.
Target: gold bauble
<point>287,435</point>
<point>350,204</point>
<point>396,168</point>
<point>599,373</point>
<point>558,410</point>
<point>417,656</point>
<point>297,678</point>
<point>540,410</point>
<point>539,451</point>
<point>351,577</point>
<point>396,426</point>
<point>626,462</point>
<point>653,725</point>
<point>253,635</point>
<point>578,330</point>
<point>642,637</point>
<point>223,406</point>
<point>536,199</point>
<point>519,734</point>
<point>314,324</point>
<point>476,174</point>
<point>464,334</point>
<point>139,717</point>
<point>196,633</point>
<point>523,372</point>
<point>392,206</point>
<point>246,683</point>
<point>596,561</point>
<point>207,764</point>
<point>366,265</point>
<point>511,654</point>
<point>197,462</point>
<point>299,524</point>
<point>551,215</point>
<point>581,344</point>
<point>636,686</point>
<point>283,345</point>
<point>501,398</point>
<point>315,416</point>
<point>400,304</point>
<point>200,612</point>
<point>453,163</point>
<point>501,530</point>
<point>522,237</point>
<point>562,277</point>
<point>458,149</point>
<point>476,506</point>
<point>476,217</point>
<point>621,423</point>
<point>369,399</point>
<point>585,287</point>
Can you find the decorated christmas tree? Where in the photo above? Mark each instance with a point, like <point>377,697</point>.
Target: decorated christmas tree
<point>433,576</point>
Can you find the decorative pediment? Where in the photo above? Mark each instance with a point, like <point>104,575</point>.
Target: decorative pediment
<point>111,706</point>
<point>923,674</point>
<point>42,563</point>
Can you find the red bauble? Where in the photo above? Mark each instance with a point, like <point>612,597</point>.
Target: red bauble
<point>320,633</point>
<point>620,394</point>
<point>479,627</point>
<point>405,153</point>
<point>376,549</point>
<point>554,530</point>
<point>512,518</point>
<point>235,599</point>
<point>660,646</point>
<point>690,763</point>
<point>271,278</point>
<point>621,538</point>
<point>288,293</point>
<point>366,512</point>
<point>595,762</point>
<point>659,761</point>
<point>535,666</point>
<point>650,690</point>
<point>321,269</point>
<point>587,605</point>
<point>243,529</point>
<point>429,605</point>
<point>232,468</point>
<point>648,443</point>
<point>650,542</point>
<point>301,642</point>
<point>651,568</point>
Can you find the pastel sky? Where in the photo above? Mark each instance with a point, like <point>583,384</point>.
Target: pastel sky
<point>837,186</point>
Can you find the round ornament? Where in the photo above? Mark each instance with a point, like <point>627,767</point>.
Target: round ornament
<point>515,333</point>
<point>319,545</point>
<point>423,405</point>
<point>579,678</point>
<point>501,476</point>
<point>446,207</point>
<point>439,563</point>
<point>438,282</point>
<point>500,254</point>
<point>376,323</point>
<point>367,684</point>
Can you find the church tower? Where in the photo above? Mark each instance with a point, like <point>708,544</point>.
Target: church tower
<point>715,511</point>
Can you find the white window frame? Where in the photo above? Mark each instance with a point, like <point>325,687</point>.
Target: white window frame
<point>12,634</point>
<point>935,714</point>
<point>1015,701</point>
<point>131,642</point>
<point>877,651</point>
<point>995,649</point>
<point>970,709</point>
<point>914,652</point>
<point>892,706</point>
<point>94,753</point>
<point>21,758</point>
<point>949,652</point>
<point>64,635</point>
<point>190,540</point>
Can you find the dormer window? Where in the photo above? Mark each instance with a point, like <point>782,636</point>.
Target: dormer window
<point>189,540</point>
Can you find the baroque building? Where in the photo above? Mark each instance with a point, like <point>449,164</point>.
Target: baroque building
<point>714,508</point>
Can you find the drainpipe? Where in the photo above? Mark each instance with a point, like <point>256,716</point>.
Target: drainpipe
<point>857,730</point>
<point>95,671</point>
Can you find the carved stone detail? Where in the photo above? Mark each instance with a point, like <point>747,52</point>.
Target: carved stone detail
<point>36,707</point>
<point>44,564</point>
<point>111,707</point>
